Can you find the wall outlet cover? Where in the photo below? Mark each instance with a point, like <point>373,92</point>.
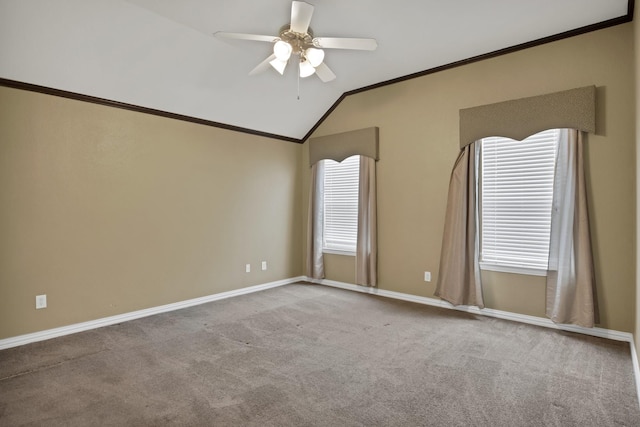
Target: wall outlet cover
<point>41,301</point>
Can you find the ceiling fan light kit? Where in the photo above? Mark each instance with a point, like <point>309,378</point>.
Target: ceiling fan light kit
<point>306,69</point>
<point>278,65</point>
<point>282,50</point>
<point>314,56</point>
<point>297,39</point>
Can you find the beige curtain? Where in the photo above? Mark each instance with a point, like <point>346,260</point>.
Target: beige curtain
<point>570,279</point>
<point>459,275</point>
<point>367,243</point>
<point>315,259</point>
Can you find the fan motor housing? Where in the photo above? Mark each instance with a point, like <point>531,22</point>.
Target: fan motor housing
<point>299,41</point>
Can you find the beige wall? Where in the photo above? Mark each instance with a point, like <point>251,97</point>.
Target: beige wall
<point>108,211</point>
<point>418,122</point>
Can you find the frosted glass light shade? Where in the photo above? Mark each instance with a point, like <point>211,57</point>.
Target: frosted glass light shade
<point>314,56</point>
<point>306,69</point>
<point>278,65</point>
<point>282,50</point>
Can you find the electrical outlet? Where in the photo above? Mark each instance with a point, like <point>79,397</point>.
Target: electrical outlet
<point>247,268</point>
<point>427,276</point>
<point>41,301</point>
<point>264,265</point>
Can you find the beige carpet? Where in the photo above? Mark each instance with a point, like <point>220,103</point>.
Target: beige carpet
<point>305,355</point>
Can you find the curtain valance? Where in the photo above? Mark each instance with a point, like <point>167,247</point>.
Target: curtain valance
<point>517,119</point>
<point>339,146</point>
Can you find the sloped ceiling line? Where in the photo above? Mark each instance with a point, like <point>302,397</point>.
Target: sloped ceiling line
<point>116,104</point>
<point>16,83</point>
<point>595,27</point>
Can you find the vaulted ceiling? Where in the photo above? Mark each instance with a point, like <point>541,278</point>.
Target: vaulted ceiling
<point>160,55</point>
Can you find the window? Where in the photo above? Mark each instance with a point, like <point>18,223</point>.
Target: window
<point>341,205</point>
<point>516,194</point>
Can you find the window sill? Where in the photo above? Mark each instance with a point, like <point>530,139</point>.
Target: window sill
<point>512,269</point>
<point>338,252</point>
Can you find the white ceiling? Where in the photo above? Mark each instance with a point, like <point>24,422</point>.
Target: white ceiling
<point>161,54</point>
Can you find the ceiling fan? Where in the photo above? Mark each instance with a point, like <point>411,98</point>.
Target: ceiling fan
<point>297,39</point>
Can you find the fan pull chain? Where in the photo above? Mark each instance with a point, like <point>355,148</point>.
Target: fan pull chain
<point>298,73</point>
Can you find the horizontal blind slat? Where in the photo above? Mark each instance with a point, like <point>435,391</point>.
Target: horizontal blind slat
<point>341,204</point>
<point>516,199</point>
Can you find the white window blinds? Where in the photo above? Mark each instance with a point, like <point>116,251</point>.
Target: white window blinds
<point>341,204</point>
<point>516,197</point>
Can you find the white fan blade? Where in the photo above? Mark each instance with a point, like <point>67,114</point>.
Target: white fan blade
<point>345,43</point>
<point>243,36</point>
<point>325,73</point>
<point>264,65</point>
<point>301,13</point>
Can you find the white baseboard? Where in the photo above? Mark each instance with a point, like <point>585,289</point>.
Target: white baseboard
<point>112,320</point>
<point>636,366</point>
<point>533,320</point>
<point>523,318</point>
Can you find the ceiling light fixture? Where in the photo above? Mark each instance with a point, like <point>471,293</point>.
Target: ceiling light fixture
<point>282,50</point>
<point>306,69</point>
<point>300,44</point>
<point>296,38</point>
<point>278,65</point>
<point>314,56</point>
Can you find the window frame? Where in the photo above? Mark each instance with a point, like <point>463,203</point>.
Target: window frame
<point>495,264</point>
<point>338,249</point>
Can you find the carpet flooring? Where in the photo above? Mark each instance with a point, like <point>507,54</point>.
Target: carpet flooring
<point>308,355</point>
